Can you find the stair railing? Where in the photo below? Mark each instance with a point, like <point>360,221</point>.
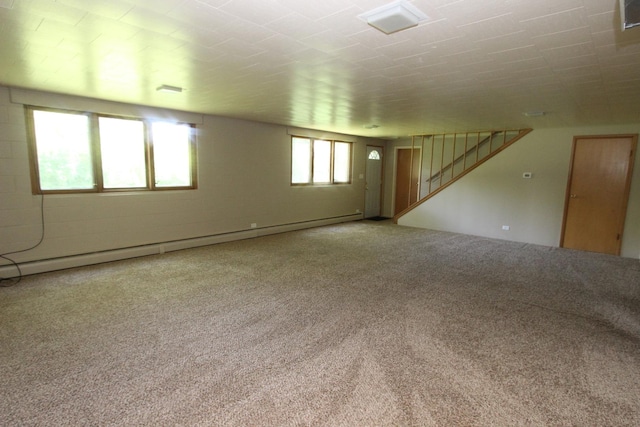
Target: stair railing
<point>452,159</point>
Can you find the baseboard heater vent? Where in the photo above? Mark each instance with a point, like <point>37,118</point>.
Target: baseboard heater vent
<point>53,264</point>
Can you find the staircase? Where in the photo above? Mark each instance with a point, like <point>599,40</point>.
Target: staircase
<point>448,157</point>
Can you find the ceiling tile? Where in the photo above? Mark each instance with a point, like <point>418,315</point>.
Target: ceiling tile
<point>49,9</point>
<point>113,9</point>
<point>150,20</point>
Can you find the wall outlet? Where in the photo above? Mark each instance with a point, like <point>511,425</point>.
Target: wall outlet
<point>358,211</point>
<point>254,225</point>
<point>506,227</point>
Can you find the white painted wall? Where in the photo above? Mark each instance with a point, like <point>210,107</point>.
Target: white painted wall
<point>495,194</point>
<point>244,178</point>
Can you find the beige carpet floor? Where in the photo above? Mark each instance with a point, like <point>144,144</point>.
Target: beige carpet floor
<point>359,324</point>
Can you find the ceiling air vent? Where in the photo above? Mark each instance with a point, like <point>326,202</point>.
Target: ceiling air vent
<point>394,17</point>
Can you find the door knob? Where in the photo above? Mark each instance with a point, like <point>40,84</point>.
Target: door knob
<point>573,196</point>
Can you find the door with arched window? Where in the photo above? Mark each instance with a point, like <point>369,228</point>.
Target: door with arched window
<point>373,185</point>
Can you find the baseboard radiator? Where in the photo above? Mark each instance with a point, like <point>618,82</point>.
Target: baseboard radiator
<point>53,264</point>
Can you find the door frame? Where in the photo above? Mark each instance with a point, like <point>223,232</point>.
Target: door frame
<point>567,197</point>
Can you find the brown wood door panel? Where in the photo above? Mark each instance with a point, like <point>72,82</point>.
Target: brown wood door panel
<point>407,176</point>
<point>597,193</point>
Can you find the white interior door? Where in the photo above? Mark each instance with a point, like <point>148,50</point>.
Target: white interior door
<point>373,185</point>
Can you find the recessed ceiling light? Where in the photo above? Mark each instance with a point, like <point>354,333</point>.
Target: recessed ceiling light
<point>394,17</point>
<point>534,113</point>
<point>167,88</point>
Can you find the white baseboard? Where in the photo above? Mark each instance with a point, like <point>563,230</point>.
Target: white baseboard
<point>53,264</point>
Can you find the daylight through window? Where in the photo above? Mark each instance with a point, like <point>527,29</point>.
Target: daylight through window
<point>320,161</point>
<point>88,152</point>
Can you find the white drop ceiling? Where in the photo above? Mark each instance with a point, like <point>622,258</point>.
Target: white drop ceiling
<point>475,64</point>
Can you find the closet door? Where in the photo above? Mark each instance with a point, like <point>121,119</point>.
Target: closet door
<point>598,192</point>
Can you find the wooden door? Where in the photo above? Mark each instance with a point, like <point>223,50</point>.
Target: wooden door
<point>407,177</point>
<point>598,192</point>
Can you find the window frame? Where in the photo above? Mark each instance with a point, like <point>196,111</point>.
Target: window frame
<point>96,153</point>
<point>332,181</point>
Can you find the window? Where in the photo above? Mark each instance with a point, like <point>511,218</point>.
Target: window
<point>88,152</point>
<point>171,154</point>
<point>319,161</point>
<point>122,150</point>
<point>64,151</point>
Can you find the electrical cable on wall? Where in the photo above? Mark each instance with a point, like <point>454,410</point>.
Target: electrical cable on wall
<point>6,282</point>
